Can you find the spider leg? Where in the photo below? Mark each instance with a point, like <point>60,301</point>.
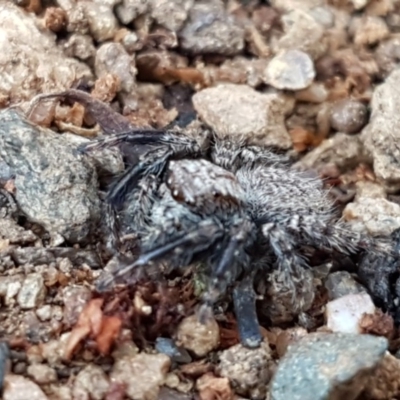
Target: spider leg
<point>154,164</point>
<point>244,301</point>
<point>180,249</point>
<point>136,214</point>
<point>336,236</point>
<point>288,259</point>
<point>233,156</point>
<point>139,137</point>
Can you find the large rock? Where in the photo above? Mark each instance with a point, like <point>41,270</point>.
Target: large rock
<point>55,187</point>
<point>382,135</point>
<point>327,367</point>
<point>238,110</point>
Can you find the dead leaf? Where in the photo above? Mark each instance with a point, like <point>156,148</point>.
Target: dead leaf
<point>89,323</point>
<point>378,324</point>
<point>110,330</point>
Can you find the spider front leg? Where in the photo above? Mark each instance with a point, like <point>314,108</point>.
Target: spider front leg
<point>165,146</point>
<point>244,301</point>
<point>135,216</point>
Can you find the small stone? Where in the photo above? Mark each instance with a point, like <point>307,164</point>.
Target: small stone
<point>91,384</point>
<point>210,29</point>
<point>42,374</point>
<point>385,383</point>
<point>340,284</point>
<point>345,313</point>
<point>102,23</point>
<point>387,55</point>
<point>369,30</point>
<point>16,234</point>
<point>79,46</point>
<point>75,299</point>
<point>315,93</point>
<point>32,292</point>
<point>128,10</point>
<point>17,387</point>
<point>171,14</point>
<point>327,366</point>
<point>112,58</point>
<point>359,4</point>
<point>341,151</point>
<point>248,370</point>
<point>196,337</point>
<point>55,19</point>
<point>44,313</point>
<point>240,110</point>
<point>168,347</point>
<point>371,212</point>
<point>142,374</point>
<point>349,116</point>
<point>291,70</point>
<point>303,33</point>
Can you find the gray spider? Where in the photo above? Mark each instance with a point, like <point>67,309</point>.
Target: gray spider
<point>238,208</point>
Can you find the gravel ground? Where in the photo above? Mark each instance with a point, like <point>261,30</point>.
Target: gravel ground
<point>317,80</point>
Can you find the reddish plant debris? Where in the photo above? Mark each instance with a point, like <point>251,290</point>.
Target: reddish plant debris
<point>378,323</point>
<point>92,322</point>
<point>304,139</point>
<point>109,120</point>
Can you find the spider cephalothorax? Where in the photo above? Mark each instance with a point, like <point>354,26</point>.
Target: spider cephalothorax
<point>238,208</point>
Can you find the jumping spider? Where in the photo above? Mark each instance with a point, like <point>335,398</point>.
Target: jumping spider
<point>236,207</point>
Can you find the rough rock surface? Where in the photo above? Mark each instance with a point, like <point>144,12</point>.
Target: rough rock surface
<point>55,187</point>
<point>341,150</point>
<point>248,370</point>
<point>30,63</point>
<point>382,135</point>
<point>385,383</point>
<point>210,29</point>
<point>348,116</point>
<point>199,338</point>
<point>344,314</point>
<point>340,284</point>
<point>291,70</point>
<point>112,58</point>
<point>327,366</point>
<point>302,32</point>
<point>143,374</point>
<point>371,211</point>
<point>17,387</point>
<point>233,110</point>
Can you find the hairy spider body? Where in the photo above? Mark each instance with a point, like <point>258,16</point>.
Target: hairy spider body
<point>240,209</point>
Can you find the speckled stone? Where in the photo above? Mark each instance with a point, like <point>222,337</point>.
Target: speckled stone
<point>327,367</point>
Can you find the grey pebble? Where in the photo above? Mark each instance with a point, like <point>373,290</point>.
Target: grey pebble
<point>348,116</point>
<point>291,70</point>
<point>177,354</point>
<point>327,367</point>
<point>55,187</point>
<point>340,284</point>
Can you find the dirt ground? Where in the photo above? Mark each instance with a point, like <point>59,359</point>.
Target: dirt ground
<point>316,81</point>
